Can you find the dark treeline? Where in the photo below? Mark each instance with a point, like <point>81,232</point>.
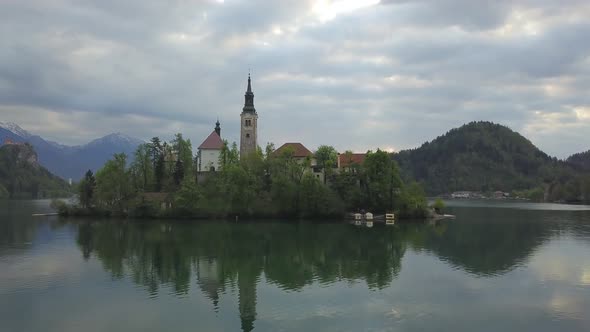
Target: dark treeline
<point>162,181</point>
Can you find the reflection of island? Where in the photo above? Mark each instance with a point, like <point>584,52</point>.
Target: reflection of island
<point>291,256</point>
<point>220,254</point>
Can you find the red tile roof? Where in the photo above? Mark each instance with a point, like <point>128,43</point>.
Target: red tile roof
<point>345,160</point>
<point>213,142</point>
<point>299,151</point>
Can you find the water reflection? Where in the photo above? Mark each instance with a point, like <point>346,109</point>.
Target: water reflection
<point>293,255</point>
<point>221,254</point>
<point>215,257</point>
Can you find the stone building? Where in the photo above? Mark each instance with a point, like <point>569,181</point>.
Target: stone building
<point>249,123</point>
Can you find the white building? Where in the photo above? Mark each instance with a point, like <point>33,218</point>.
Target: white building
<point>209,151</point>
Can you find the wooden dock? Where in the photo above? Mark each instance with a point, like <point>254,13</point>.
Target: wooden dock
<point>45,214</point>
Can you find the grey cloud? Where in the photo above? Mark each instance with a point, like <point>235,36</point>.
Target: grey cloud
<point>101,66</point>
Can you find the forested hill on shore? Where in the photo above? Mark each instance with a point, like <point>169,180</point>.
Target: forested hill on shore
<point>21,176</point>
<point>580,160</point>
<point>484,156</point>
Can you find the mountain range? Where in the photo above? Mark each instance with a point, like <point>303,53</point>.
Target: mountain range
<point>71,162</point>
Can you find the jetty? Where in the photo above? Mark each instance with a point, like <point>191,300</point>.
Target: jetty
<point>369,218</point>
<point>45,214</point>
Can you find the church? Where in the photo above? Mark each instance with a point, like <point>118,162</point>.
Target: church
<point>210,150</point>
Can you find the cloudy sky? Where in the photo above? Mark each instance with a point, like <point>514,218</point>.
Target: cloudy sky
<point>350,73</point>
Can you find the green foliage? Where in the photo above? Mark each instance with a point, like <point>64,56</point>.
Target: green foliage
<point>381,179</point>
<point>113,186</point>
<point>228,156</point>
<point>158,163</point>
<point>438,205</point>
<point>411,202</point>
<point>327,159</point>
<point>184,158</point>
<point>483,156</point>
<point>86,189</point>
<point>60,206</point>
<point>534,194</point>
<point>142,168</point>
<point>187,197</point>
<point>261,184</point>
<point>22,177</point>
<point>580,160</point>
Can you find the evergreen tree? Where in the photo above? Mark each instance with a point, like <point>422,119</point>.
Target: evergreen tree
<point>86,190</point>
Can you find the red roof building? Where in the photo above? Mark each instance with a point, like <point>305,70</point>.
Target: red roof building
<point>212,142</point>
<point>348,160</point>
<point>298,149</point>
<point>210,151</point>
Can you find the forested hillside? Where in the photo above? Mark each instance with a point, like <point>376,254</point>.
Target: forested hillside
<point>483,156</point>
<point>580,160</point>
<point>21,176</point>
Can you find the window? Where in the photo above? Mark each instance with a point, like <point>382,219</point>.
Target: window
<point>248,123</point>
<point>248,135</point>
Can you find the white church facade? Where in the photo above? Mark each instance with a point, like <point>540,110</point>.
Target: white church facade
<point>209,151</point>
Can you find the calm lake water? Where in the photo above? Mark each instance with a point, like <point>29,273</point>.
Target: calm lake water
<point>496,267</point>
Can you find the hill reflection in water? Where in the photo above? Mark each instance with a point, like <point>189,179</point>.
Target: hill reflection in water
<point>221,255</point>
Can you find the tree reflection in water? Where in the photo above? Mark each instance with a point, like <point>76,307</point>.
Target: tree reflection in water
<point>217,255</point>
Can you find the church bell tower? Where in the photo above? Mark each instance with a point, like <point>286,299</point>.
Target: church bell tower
<point>249,124</point>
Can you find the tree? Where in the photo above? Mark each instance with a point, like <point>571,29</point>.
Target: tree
<point>327,158</point>
<point>142,167</point>
<point>183,150</point>
<point>412,201</point>
<point>179,172</point>
<point>113,187</point>
<point>381,180</point>
<point>86,190</point>
<point>158,163</point>
<point>228,156</point>
<point>438,205</point>
<point>188,197</point>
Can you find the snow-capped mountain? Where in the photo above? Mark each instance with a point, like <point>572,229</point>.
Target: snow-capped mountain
<point>15,129</point>
<point>72,161</point>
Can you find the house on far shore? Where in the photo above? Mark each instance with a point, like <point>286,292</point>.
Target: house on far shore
<point>348,161</point>
<point>300,153</point>
<point>209,151</point>
<point>8,141</point>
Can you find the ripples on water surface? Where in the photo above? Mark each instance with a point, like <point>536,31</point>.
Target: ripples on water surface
<point>496,267</point>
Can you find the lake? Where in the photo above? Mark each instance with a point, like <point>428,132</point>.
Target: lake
<point>496,267</point>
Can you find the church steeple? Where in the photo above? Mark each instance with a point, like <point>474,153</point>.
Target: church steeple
<point>249,123</point>
<point>249,98</point>
<point>218,128</point>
